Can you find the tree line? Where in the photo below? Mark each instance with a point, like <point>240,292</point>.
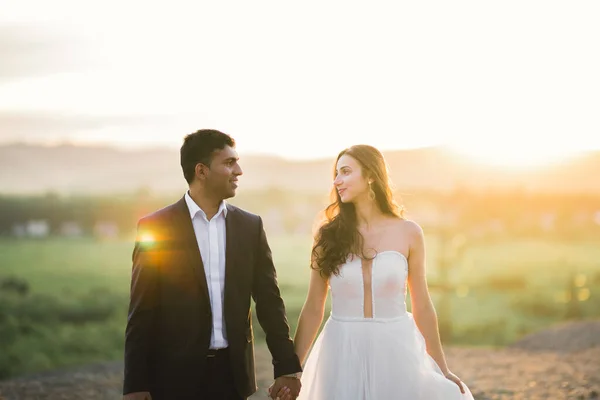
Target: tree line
<point>513,211</point>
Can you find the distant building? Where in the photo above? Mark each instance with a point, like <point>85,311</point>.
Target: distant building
<point>19,230</point>
<point>70,229</point>
<point>37,228</point>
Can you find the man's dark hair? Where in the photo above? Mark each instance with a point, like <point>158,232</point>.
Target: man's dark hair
<point>198,147</point>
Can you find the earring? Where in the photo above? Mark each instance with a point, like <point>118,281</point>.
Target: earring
<point>371,192</point>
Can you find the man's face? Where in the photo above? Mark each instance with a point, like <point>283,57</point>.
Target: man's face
<point>222,175</point>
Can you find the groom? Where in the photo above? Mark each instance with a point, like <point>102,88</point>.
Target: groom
<point>196,265</point>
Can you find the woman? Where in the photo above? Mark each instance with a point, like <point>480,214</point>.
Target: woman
<point>370,348</point>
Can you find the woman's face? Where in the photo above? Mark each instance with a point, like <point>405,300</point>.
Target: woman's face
<point>349,181</point>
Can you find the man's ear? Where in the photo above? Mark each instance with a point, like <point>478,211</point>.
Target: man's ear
<point>201,171</point>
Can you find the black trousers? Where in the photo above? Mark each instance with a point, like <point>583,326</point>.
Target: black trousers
<point>217,384</point>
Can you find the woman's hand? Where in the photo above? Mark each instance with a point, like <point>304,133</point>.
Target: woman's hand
<point>449,375</point>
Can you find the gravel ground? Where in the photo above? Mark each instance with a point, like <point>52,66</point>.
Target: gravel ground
<point>555,364</point>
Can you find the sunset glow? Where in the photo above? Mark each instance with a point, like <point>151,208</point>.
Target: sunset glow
<point>515,157</point>
<point>397,76</point>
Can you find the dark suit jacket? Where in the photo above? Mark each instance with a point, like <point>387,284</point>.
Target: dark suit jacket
<point>169,324</point>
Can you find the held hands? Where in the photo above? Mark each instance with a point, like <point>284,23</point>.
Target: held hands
<point>138,396</point>
<point>285,388</point>
<point>449,375</point>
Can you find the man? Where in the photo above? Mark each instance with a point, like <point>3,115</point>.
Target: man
<point>196,265</point>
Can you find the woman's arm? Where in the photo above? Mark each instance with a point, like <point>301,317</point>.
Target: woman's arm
<point>422,306</point>
<point>311,315</point>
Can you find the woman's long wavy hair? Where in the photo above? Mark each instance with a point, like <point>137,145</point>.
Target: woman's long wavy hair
<point>338,237</point>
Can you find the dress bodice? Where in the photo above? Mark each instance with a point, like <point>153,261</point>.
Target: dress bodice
<point>388,275</point>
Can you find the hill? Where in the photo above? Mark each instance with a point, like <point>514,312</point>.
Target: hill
<point>28,169</point>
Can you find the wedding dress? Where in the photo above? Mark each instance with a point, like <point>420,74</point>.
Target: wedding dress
<point>380,356</point>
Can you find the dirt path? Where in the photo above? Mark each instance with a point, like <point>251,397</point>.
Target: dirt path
<point>491,374</point>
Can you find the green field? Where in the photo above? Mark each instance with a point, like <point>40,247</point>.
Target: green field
<point>76,306</point>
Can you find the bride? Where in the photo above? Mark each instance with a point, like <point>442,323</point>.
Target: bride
<point>367,253</point>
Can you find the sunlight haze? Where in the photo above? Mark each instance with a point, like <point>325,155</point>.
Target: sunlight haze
<point>509,83</point>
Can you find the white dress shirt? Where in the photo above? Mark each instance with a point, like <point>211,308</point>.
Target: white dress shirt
<point>210,236</point>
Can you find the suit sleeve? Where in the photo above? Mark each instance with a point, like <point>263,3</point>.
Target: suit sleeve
<point>270,310</point>
<point>142,305</point>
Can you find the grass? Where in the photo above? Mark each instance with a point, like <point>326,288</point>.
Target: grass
<point>75,312</point>
<point>68,267</point>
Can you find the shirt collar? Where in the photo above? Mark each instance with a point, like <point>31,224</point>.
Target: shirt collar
<point>195,208</point>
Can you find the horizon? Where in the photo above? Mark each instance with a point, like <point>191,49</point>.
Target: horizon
<point>521,164</point>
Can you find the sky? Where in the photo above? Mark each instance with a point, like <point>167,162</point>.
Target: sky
<point>511,81</point>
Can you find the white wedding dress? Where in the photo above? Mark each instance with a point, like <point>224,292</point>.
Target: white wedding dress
<point>382,357</point>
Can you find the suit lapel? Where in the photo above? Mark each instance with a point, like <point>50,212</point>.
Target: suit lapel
<point>231,245</point>
<point>190,244</point>
<point>232,250</point>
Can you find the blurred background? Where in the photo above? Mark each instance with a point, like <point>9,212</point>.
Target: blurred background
<point>487,115</point>
<point>508,254</point>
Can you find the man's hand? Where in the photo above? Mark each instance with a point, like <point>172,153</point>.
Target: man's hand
<point>285,388</point>
<point>137,396</point>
